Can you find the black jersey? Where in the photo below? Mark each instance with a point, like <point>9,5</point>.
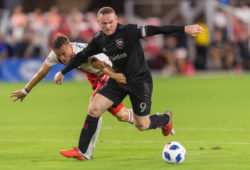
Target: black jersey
<point>123,48</point>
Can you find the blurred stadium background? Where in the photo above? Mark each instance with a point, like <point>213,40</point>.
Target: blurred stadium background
<point>27,28</point>
<point>211,112</point>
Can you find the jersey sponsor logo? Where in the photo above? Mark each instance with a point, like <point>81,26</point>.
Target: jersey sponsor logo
<point>119,43</point>
<point>118,56</point>
<point>80,45</point>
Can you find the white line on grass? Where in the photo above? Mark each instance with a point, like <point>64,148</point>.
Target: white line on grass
<point>211,129</point>
<point>122,141</point>
<point>220,129</point>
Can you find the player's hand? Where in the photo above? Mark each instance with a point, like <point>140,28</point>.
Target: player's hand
<point>120,78</point>
<point>18,94</point>
<point>193,30</point>
<point>58,79</point>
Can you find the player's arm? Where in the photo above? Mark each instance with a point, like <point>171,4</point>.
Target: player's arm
<point>20,94</point>
<point>107,69</point>
<point>150,30</point>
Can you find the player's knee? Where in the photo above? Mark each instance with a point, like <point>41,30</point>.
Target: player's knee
<point>141,126</point>
<point>94,110</point>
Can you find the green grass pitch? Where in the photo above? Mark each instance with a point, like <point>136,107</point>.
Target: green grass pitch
<point>211,117</point>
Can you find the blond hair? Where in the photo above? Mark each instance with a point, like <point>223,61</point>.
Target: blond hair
<point>105,10</point>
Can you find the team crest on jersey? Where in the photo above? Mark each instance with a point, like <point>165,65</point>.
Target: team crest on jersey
<point>119,43</point>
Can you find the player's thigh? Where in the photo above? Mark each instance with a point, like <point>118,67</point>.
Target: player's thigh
<point>141,100</point>
<point>97,86</point>
<point>99,104</point>
<point>112,91</point>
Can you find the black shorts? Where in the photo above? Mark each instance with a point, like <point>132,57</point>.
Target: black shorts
<point>139,91</point>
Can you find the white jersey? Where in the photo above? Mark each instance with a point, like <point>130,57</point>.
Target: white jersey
<point>52,59</point>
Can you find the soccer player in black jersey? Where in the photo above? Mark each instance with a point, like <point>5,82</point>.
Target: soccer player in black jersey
<point>122,44</point>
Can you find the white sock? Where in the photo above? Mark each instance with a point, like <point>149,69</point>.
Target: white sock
<point>130,116</point>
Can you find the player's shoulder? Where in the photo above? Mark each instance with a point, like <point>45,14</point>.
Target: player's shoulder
<point>52,54</point>
<point>99,34</point>
<point>127,26</point>
<point>51,58</point>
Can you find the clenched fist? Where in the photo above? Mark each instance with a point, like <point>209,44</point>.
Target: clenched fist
<point>58,79</point>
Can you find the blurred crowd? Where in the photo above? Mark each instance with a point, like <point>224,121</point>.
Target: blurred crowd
<point>30,35</point>
<point>228,46</point>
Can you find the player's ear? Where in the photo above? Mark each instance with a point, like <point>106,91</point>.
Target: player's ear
<point>98,19</point>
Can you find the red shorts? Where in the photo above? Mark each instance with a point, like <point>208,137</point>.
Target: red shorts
<point>97,83</point>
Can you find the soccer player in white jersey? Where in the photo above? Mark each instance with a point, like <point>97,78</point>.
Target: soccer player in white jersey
<point>98,69</point>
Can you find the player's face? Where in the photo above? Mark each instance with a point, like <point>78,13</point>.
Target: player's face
<point>64,53</point>
<point>108,23</point>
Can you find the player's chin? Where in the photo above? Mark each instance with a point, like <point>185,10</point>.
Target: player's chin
<point>65,62</point>
<point>108,32</point>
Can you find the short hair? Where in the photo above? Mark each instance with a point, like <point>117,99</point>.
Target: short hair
<point>105,10</point>
<point>59,41</point>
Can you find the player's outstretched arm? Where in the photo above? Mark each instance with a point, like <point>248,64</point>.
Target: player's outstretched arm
<point>107,69</point>
<point>150,30</point>
<point>20,94</point>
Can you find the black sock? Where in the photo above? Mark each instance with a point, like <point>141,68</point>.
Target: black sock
<point>87,132</point>
<point>158,120</point>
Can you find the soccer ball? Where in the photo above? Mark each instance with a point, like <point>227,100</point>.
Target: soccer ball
<point>173,152</point>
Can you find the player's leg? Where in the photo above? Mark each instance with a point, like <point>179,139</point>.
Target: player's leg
<point>122,114</point>
<point>155,121</point>
<point>97,106</point>
<point>76,153</point>
<point>143,121</point>
<point>91,129</point>
<point>108,96</point>
<point>141,102</point>
<point>90,150</point>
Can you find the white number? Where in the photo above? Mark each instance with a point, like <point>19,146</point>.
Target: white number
<point>143,106</point>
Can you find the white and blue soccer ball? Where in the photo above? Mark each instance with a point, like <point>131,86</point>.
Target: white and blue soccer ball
<point>174,152</point>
